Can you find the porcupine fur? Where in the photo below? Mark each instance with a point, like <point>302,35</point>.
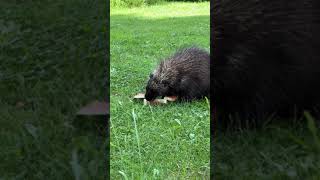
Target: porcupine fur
<point>186,75</point>
<point>266,59</point>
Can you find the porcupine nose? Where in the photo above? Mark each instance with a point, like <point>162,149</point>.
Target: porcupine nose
<point>148,98</point>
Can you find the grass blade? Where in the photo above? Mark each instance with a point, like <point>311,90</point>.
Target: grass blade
<point>134,116</point>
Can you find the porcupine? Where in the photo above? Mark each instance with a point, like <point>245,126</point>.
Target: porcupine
<point>186,75</point>
<point>266,58</point>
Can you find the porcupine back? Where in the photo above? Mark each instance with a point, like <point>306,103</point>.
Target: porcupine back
<point>188,72</point>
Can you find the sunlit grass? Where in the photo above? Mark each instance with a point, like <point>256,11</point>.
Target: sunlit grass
<point>166,10</point>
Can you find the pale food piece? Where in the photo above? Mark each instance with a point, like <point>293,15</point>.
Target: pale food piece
<point>165,100</point>
<point>139,96</point>
<point>155,102</point>
<point>171,98</point>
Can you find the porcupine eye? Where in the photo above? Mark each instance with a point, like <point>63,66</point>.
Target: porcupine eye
<point>150,76</point>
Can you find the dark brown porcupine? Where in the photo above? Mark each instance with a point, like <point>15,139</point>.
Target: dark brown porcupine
<point>186,75</point>
<point>266,58</point>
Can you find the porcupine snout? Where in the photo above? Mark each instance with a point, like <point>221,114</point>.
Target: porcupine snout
<point>151,93</point>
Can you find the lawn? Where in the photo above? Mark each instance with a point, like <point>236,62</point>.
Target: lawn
<point>159,142</point>
<point>52,61</point>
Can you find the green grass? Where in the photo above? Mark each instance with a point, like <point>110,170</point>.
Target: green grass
<point>52,58</point>
<point>276,151</point>
<point>165,142</point>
